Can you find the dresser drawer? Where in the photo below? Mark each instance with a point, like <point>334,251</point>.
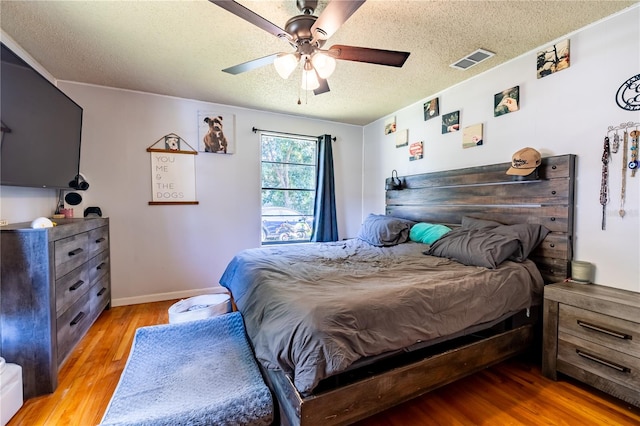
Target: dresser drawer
<point>71,252</point>
<point>614,372</point>
<point>98,266</point>
<point>98,240</point>
<point>72,325</point>
<point>70,287</point>
<point>100,295</point>
<point>614,333</point>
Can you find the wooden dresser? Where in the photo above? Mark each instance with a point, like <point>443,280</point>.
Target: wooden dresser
<point>54,283</point>
<point>592,333</point>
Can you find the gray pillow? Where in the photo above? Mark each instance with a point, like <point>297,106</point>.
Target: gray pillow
<point>475,247</point>
<point>529,235</point>
<point>381,230</point>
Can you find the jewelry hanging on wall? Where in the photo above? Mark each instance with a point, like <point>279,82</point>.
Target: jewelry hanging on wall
<point>604,186</point>
<point>633,164</point>
<point>616,143</point>
<point>623,186</point>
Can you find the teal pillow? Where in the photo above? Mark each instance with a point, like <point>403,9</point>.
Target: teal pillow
<point>427,233</point>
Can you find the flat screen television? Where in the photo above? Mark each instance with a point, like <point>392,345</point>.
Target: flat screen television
<point>41,128</point>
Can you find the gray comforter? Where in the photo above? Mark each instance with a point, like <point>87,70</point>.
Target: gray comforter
<point>314,309</point>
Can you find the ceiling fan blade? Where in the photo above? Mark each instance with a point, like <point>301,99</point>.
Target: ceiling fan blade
<point>333,16</point>
<point>251,65</point>
<point>391,58</point>
<point>251,17</point>
<point>323,88</point>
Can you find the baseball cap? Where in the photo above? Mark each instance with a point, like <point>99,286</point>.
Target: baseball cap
<point>524,162</point>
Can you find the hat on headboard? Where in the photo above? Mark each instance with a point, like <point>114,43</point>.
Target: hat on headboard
<point>524,162</point>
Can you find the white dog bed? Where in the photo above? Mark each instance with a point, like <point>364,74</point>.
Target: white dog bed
<point>199,307</point>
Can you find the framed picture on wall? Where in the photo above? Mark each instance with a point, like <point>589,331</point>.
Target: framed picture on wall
<point>431,109</point>
<point>506,101</point>
<point>451,122</point>
<point>216,132</point>
<point>472,136</point>
<point>390,125</point>
<point>553,59</point>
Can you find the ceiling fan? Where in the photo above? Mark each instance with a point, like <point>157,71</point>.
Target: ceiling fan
<point>307,33</point>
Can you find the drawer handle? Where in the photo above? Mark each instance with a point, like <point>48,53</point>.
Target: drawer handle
<point>101,292</point>
<point>604,330</point>
<point>100,266</point>
<point>99,240</point>
<point>74,252</point>
<point>599,360</point>
<point>76,285</point>
<point>77,319</point>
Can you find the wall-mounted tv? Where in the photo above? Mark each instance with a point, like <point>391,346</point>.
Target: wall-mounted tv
<point>41,128</point>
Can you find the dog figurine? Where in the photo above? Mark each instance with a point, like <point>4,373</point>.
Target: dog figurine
<point>214,140</point>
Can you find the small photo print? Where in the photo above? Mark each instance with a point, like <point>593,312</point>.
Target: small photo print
<point>553,59</point>
<point>451,122</point>
<point>415,151</point>
<point>172,142</point>
<point>390,125</point>
<point>472,136</point>
<point>431,109</point>
<point>216,132</point>
<point>506,101</point>
<point>402,138</point>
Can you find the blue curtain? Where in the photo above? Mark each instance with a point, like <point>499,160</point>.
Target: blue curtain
<point>325,223</point>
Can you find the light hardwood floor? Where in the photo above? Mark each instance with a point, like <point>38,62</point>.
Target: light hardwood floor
<point>511,393</point>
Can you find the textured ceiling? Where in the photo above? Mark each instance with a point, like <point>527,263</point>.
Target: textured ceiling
<point>179,48</point>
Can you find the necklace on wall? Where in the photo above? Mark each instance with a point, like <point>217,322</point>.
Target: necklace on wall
<point>604,186</point>
<point>633,164</point>
<point>625,147</point>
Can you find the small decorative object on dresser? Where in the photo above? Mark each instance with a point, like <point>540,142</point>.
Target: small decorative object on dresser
<point>54,283</point>
<point>592,333</point>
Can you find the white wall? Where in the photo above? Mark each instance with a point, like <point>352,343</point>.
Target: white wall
<point>565,113</point>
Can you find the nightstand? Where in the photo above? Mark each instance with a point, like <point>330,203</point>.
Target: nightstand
<point>592,333</point>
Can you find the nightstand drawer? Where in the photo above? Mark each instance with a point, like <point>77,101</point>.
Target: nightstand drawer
<point>615,333</point>
<point>576,355</point>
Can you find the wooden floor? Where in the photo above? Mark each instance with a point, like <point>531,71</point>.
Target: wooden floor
<point>511,393</point>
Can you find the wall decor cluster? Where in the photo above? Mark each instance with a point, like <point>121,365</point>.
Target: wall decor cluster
<point>173,171</point>
<point>216,132</point>
<point>553,59</point>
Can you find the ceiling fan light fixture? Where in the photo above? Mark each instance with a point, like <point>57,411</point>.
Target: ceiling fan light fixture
<point>309,76</point>
<point>324,64</point>
<point>285,63</point>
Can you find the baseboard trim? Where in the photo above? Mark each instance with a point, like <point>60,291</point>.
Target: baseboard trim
<point>159,297</point>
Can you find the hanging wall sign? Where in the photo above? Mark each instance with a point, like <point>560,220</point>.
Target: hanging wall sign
<point>173,171</point>
<point>628,95</point>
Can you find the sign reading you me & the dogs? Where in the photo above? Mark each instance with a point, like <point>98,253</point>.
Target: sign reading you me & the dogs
<point>173,171</point>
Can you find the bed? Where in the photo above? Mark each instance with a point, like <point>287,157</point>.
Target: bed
<point>347,329</point>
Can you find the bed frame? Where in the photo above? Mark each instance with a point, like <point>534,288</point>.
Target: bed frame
<point>484,192</point>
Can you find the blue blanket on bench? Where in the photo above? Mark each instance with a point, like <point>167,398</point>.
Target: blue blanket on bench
<point>193,373</point>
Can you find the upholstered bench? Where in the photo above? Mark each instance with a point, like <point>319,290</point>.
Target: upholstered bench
<point>193,373</point>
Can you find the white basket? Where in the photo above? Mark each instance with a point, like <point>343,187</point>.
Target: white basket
<point>199,307</point>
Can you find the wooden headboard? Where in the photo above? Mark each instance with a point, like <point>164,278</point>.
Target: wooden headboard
<point>487,192</point>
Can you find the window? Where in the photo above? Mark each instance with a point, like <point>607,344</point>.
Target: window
<point>288,188</point>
